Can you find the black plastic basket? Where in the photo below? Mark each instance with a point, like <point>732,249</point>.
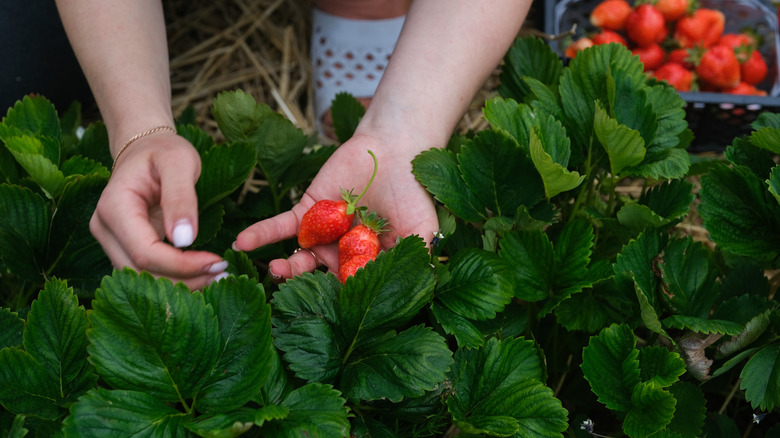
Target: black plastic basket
<point>715,118</point>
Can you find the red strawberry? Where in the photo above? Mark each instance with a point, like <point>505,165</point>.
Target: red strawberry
<point>327,220</point>
<point>645,25</point>
<point>719,67</point>
<point>754,70</point>
<point>652,56</point>
<point>576,46</point>
<point>703,27</point>
<point>608,36</point>
<point>675,75</point>
<point>738,40</point>
<point>682,57</point>
<point>360,241</point>
<point>672,10</point>
<point>610,14</point>
<point>745,88</point>
<point>349,268</point>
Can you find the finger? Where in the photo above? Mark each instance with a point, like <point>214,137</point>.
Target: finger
<point>178,199</point>
<point>274,229</point>
<point>302,260</point>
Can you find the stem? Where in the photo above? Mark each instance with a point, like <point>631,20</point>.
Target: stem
<point>730,396</point>
<point>352,203</point>
<point>588,184</point>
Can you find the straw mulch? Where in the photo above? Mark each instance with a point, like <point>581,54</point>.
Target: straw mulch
<point>259,46</point>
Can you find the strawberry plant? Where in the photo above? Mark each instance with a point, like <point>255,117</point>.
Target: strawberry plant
<point>551,303</point>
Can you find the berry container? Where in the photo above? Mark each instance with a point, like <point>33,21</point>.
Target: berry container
<point>715,118</point>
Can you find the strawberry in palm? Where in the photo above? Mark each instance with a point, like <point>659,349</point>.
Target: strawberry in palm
<point>360,244</point>
<point>327,220</point>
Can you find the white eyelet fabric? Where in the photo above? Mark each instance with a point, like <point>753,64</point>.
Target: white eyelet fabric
<point>349,55</point>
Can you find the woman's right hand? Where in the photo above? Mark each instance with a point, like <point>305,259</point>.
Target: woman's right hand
<point>151,197</point>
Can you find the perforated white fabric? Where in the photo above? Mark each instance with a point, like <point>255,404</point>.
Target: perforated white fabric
<point>349,56</point>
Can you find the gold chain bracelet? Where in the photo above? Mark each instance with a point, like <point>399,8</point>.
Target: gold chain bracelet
<point>136,137</point>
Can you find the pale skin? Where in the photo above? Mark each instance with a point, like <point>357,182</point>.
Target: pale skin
<point>446,51</point>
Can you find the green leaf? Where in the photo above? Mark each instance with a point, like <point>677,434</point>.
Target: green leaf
<point>497,390</point>
<point>122,413</point>
<point>754,328</point>
<point>396,366</point>
<point>224,425</point>
<point>305,326</point>
<point>224,169</point>
<point>437,170</point>
<point>56,337</point>
<point>199,138</point>
<point>611,366</point>
<point>27,387</point>
<point>556,178</point>
<point>653,409</point>
<point>94,144</point>
<point>635,263</point>
<point>465,332</point>
<point>479,286</point>
<point>740,214</point>
<point>624,146</point>
<point>388,292</point>
<point>774,183</point>
<point>690,410</point>
<point>346,112</point>
<point>33,115</point>
<point>78,165</point>
<point>767,138</point>
<point>528,57</point>
<point>24,229</point>
<point>11,329</point>
<point>761,378</point>
<point>532,255</point>
<point>29,152</point>
<point>703,325</point>
<point>499,173</point>
<point>315,410</point>
<point>73,251</point>
<point>151,336</point>
<point>277,142</point>
<point>506,115</point>
<point>660,366</point>
<point>689,278</point>
<point>244,320</point>
<point>662,205</point>
<point>595,308</point>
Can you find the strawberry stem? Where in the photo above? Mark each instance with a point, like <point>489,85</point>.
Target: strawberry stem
<point>351,203</point>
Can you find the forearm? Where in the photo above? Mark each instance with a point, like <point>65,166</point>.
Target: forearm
<point>445,53</point>
<point>122,49</point>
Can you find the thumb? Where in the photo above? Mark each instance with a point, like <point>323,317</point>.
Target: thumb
<point>178,200</point>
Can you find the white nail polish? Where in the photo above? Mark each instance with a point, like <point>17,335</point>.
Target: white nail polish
<point>183,234</point>
<point>220,277</point>
<point>217,267</point>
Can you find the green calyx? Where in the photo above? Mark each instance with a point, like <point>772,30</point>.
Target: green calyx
<point>351,199</point>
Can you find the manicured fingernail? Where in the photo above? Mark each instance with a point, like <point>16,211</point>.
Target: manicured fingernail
<point>221,276</point>
<point>217,267</point>
<point>183,234</point>
<point>275,277</point>
<point>234,247</point>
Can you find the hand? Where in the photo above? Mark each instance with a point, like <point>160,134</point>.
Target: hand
<point>395,195</point>
<point>151,196</point>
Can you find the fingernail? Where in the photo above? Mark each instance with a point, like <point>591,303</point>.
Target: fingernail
<point>234,247</point>
<point>275,277</point>
<point>221,276</point>
<point>217,267</point>
<point>183,234</point>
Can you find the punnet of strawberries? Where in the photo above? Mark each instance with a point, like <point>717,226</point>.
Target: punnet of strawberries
<point>681,43</point>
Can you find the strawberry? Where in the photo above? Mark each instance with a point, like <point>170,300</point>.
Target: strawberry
<point>361,241</point>
<point>675,75</point>
<point>349,268</point>
<point>703,27</point>
<point>652,56</point>
<point>754,69</point>
<point>645,25</point>
<point>672,10</point>
<point>745,88</point>
<point>327,220</point>
<point>719,67</point>
<point>736,41</point>
<point>682,57</point>
<point>576,46</point>
<point>610,14</point>
<point>608,36</point>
